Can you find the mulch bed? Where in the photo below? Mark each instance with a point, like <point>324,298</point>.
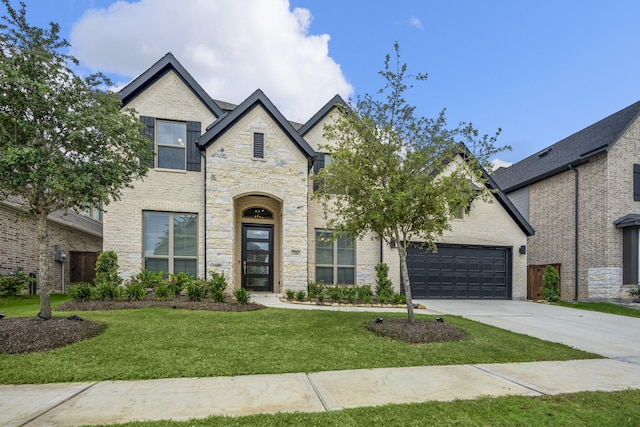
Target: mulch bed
<point>420,331</point>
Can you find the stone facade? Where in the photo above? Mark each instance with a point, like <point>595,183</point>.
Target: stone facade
<point>278,182</point>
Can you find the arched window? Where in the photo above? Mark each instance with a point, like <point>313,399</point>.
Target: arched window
<point>257,213</point>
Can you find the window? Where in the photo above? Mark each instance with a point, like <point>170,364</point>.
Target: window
<point>335,259</point>
<point>322,160</point>
<point>171,242</point>
<point>258,145</point>
<point>92,212</point>
<point>172,137</point>
<point>636,183</point>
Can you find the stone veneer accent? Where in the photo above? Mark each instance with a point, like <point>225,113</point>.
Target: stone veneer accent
<point>605,283</point>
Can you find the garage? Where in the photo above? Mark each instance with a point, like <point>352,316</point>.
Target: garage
<point>460,272</point>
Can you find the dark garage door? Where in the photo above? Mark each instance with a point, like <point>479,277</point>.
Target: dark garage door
<point>460,272</point>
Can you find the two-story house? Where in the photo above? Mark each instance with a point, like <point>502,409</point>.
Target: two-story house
<point>582,196</point>
<point>229,190</point>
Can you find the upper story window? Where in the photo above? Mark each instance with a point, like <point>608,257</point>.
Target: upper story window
<point>173,144</point>
<point>172,138</point>
<point>636,183</point>
<point>92,212</point>
<point>322,160</point>
<point>258,145</point>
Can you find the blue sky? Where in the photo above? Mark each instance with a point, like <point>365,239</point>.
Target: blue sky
<point>540,70</point>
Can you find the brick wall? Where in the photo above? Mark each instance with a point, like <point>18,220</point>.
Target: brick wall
<point>19,244</point>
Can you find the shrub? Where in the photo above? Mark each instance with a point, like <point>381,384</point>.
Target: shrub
<point>399,299</point>
<point>196,290</point>
<point>82,291</point>
<point>335,293</point>
<point>179,281</point>
<point>290,293</point>
<point>551,284</point>
<point>351,293</point>
<point>149,279</point>
<point>242,296</point>
<point>134,291</point>
<point>384,286</point>
<point>162,291</point>
<point>217,285</point>
<point>313,288</point>
<point>320,295</point>
<point>12,286</point>
<point>107,269</point>
<point>300,295</point>
<point>106,291</point>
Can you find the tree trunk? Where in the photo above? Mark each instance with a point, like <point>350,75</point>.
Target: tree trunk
<point>404,271</point>
<point>43,269</point>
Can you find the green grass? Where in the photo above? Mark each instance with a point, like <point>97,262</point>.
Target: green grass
<point>602,307</point>
<point>602,409</point>
<point>27,305</point>
<point>161,343</point>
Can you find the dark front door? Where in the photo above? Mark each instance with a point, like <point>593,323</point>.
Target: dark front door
<point>257,257</point>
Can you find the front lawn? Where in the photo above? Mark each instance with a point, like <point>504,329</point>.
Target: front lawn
<point>602,307</point>
<point>166,343</point>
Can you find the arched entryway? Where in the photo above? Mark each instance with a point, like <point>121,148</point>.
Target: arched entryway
<point>258,247</point>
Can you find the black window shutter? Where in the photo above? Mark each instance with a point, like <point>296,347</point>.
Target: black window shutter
<point>193,154</point>
<point>636,182</point>
<point>258,145</point>
<point>318,164</point>
<point>149,132</point>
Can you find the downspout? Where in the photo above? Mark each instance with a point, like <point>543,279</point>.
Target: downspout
<point>204,175</point>
<point>577,228</point>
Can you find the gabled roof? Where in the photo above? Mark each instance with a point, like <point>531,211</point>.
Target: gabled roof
<point>321,114</point>
<point>500,196</point>
<point>573,150</point>
<point>159,69</point>
<point>256,98</point>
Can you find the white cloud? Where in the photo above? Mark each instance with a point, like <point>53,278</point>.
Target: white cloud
<point>497,163</point>
<point>231,48</point>
<point>415,22</point>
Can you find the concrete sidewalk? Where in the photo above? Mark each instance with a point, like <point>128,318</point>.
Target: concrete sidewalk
<point>109,402</point>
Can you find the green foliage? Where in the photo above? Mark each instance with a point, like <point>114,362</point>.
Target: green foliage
<point>107,269</point>
<point>350,293</point>
<point>82,291</point>
<point>162,292</point>
<point>335,293</point>
<point>290,293</point>
<point>301,295</point>
<point>64,141</point>
<point>217,284</point>
<point>148,279</point>
<point>242,296</point>
<point>386,173</point>
<point>551,284</point>
<point>399,299</point>
<point>11,286</point>
<point>107,291</point>
<point>384,286</point>
<point>196,290</point>
<point>178,282</point>
<point>135,291</point>
<point>320,293</point>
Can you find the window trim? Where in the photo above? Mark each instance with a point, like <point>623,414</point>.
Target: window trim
<point>170,257</point>
<point>335,266</point>
<point>158,144</point>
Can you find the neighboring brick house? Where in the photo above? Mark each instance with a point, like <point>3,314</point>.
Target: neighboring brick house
<point>582,195</point>
<point>78,236</point>
<point>229,191</point>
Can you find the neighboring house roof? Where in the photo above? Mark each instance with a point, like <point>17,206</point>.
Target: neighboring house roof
<point>67,218</point>
<point>321,114</point>
<point>257,98</point>
<point>573,150</point>
<point>159,69</point>
<point>499,195</point>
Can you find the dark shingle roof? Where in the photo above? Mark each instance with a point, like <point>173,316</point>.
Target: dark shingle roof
<point>258,97</point>
<point>159,69</point>
<point>321,114</point>
<point>573,150</point>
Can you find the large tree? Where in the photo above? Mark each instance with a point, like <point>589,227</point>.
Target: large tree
<point>401,176</point>
<point>64,141</point>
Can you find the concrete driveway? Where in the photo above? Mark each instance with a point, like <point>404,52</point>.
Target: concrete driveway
<point>615,337</point>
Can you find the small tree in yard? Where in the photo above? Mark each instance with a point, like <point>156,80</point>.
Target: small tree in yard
<point>64,142</point>
<point>398,175</point>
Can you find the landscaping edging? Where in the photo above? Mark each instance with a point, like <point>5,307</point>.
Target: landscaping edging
<point>342,304</point>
